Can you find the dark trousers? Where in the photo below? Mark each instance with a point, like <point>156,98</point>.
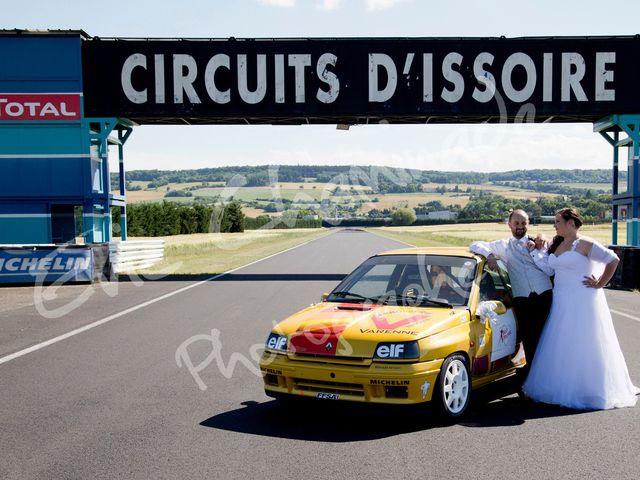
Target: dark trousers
<point>532,313</point>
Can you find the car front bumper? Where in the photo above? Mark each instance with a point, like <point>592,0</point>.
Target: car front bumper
<point>390,383</point>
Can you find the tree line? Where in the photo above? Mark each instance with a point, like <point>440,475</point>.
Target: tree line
<point>488,206</point>
<point>381,179</point>
<point>171,218</point>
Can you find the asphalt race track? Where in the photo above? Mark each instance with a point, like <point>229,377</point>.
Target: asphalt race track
<point>112,402</point>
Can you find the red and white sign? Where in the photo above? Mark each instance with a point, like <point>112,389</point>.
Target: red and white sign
<point>39,106</point>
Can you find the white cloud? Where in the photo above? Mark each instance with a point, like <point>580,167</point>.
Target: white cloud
<point>373,5</point>
<point>329,5</point>
<point>278,3</point>
<point>478,148</point>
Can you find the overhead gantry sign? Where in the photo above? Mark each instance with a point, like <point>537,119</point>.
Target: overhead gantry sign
<point>361,80</point>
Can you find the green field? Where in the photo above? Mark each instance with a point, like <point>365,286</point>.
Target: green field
<point>464,234</point>
<point>310,194</point>
<point>593,186</point>
<point>288,191</point>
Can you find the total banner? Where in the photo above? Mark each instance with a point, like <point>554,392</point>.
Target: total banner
<point>361,80</point>
<point>46,264</point>
<point>40,106</point>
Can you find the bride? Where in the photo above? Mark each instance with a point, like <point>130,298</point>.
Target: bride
<point>578,362</point>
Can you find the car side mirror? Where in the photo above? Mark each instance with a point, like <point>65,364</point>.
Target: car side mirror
<point>324,297</point>
<point>500,308</point>
<point>490,309</point>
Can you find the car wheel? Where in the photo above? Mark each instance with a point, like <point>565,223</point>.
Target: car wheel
<point>454,386</point>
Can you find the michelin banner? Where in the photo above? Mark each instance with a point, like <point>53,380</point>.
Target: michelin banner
<point>29,265</point>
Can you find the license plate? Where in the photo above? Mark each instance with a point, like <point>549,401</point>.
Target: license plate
<point>328,396</point>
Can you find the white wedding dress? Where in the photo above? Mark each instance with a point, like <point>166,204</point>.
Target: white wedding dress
<point>578,362</point>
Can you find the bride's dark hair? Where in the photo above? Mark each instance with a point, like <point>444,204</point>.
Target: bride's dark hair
<point>566,214</point>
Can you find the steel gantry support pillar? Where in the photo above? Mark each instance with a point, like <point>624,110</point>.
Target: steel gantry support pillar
<point>101,199</point>
<point>610,128</point>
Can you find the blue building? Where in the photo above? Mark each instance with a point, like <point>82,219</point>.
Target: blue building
<point>54,175</point>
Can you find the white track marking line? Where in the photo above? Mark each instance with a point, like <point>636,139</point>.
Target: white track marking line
<point>46,343</point>
<point>625,315</point>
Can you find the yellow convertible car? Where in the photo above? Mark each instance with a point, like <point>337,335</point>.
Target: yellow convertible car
<point>407,326</point>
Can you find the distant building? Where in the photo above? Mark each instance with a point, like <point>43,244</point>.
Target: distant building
<point>439,215</point>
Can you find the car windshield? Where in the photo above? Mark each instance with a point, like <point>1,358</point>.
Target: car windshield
<point>414,280</point>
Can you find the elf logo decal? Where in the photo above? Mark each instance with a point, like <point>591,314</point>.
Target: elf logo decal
<point>384,324</point>
<point>40,106</point>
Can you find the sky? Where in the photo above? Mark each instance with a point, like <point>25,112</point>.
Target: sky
<point>482,148</point>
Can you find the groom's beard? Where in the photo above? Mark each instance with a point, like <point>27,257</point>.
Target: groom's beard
<point>519,233</point>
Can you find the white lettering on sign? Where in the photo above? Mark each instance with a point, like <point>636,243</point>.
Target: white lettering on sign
<point>252,96</point>
<point>427,80</point>
<point>248,78</point>
<point>523,60</point>
<point>603,76</point>
<point>158,62</point>
<point>328,77</point>
<point>547,77</point>
<point>14,109</point>
<point>484,77</point>
<point>45,264</point>
<point>28,263</point>
<point>130,64</point>
<point>279,64</point>
<point>82,263</point>
<point>573,69</point>
<point>299,63</point>
<point>453,76</point>
<point>49,109</point>
<point>185,71</point>
<point>377,60</point>
<point>12,265</point>
<point>216,62</point>
<point>57,264</point>
<point>39,106</point>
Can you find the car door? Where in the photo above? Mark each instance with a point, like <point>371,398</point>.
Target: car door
<point>495,332</point>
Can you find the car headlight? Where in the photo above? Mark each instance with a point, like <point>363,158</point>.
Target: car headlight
<point>277,342</point>
<point>397,350</point>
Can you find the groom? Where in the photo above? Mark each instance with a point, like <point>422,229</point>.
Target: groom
<point>531,286</point>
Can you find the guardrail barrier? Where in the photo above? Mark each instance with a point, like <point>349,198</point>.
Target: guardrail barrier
<point>135,254</point>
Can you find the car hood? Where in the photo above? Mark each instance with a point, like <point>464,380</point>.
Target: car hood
<point>347,329</point>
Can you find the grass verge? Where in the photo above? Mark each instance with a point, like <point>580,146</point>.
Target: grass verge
<point>464,234</point>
